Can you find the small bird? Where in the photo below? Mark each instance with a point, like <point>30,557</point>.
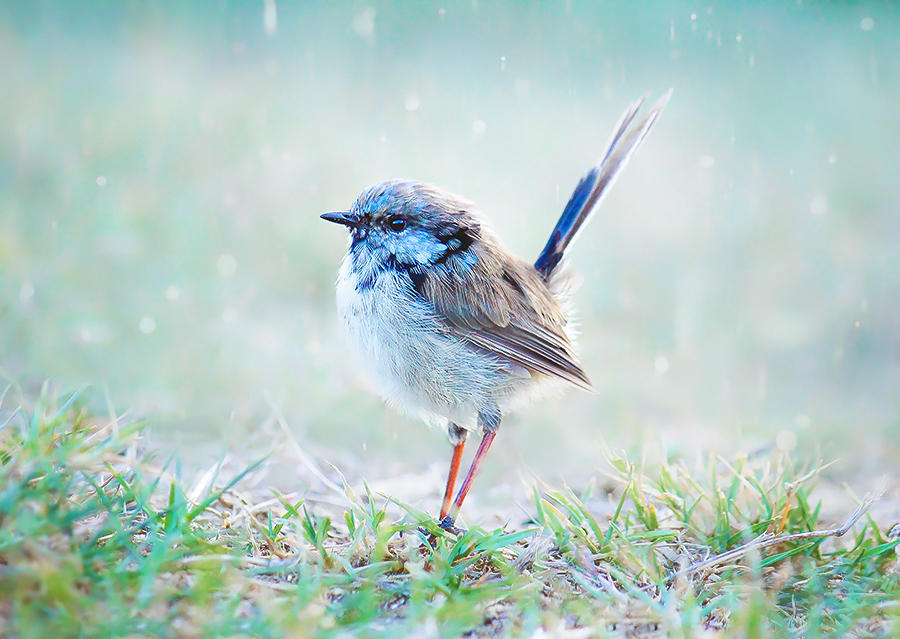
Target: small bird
<point>449,324</point>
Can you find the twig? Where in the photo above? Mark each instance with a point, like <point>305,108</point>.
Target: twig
<point>766,540</point>
<point>298,450</point>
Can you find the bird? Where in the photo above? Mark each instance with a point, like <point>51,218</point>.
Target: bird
<point>450,325</point>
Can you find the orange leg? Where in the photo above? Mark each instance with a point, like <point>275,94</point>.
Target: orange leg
<point>451,477</point>
<point>467,484</point>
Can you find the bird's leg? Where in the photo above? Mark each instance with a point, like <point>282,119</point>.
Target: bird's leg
<point>458,439</point>
<point>489,423</point>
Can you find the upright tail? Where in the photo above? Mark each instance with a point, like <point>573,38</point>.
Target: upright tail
<point>593,186</point>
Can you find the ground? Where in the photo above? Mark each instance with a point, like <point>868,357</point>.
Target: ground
<point>100,538</point>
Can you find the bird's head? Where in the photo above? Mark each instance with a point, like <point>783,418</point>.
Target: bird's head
<point>411,223</point>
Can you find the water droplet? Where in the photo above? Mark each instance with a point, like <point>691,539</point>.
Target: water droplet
<point>226,265</point>
<point>867,24</point>
<point>26,292</point>
<point>101,181</point>
<point>786,440</point>
<point>818,205</point>
<point>738,37</point>
<point>147,325</point>
<point>364,23</point>
<point>661,364</point>
<point>832,158</point>
<point>173,293</point>
<point>503,63</point>
<point>411,102</point>
<point>270,17</point>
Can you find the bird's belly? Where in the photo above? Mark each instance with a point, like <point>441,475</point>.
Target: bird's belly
<point>410,360</point>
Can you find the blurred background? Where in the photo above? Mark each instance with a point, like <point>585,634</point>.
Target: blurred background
<point>163,166</point>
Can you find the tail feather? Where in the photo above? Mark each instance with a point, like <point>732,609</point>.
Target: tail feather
<point>593,186</point>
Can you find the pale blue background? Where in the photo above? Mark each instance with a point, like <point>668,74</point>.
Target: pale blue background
<point>162,168</point>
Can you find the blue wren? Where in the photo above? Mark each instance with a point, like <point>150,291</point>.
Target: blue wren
<point>448,323</point>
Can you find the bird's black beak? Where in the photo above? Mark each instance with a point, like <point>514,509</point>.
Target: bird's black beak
<point>341,217</point>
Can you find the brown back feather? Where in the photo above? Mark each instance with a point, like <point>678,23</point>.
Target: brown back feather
<point>502,305</point>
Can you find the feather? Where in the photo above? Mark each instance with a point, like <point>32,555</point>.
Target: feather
<point>501,305</point>
<point>593,187</point>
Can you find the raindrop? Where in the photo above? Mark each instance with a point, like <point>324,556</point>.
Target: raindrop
<point>147,325</point>
<point>661,364</point>
<point>270,17</point>
<point>101,181</point>
<point>818,205</point>
<point>786,440</point>
<point>26,292</point>
<point>867,24</point>
<point>173,293</point>
<point>226,265</point>
<point>364,23</point>
<point>411,102</point>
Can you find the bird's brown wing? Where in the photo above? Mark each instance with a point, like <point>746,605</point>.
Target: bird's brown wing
<point>501,305</point>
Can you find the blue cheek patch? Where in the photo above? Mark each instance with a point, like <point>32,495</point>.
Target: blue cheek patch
<point>417,248</point>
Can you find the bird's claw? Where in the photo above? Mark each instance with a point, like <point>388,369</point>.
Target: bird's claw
<point>449,525</point>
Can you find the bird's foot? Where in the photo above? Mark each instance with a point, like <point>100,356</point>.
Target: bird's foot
<point>449,525</point>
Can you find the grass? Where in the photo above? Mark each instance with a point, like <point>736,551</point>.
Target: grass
<point>98,537</point>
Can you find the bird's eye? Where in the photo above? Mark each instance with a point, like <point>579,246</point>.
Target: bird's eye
<point>396,223</point>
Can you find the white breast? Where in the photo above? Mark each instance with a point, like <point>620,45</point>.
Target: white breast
<point>410,361</point>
